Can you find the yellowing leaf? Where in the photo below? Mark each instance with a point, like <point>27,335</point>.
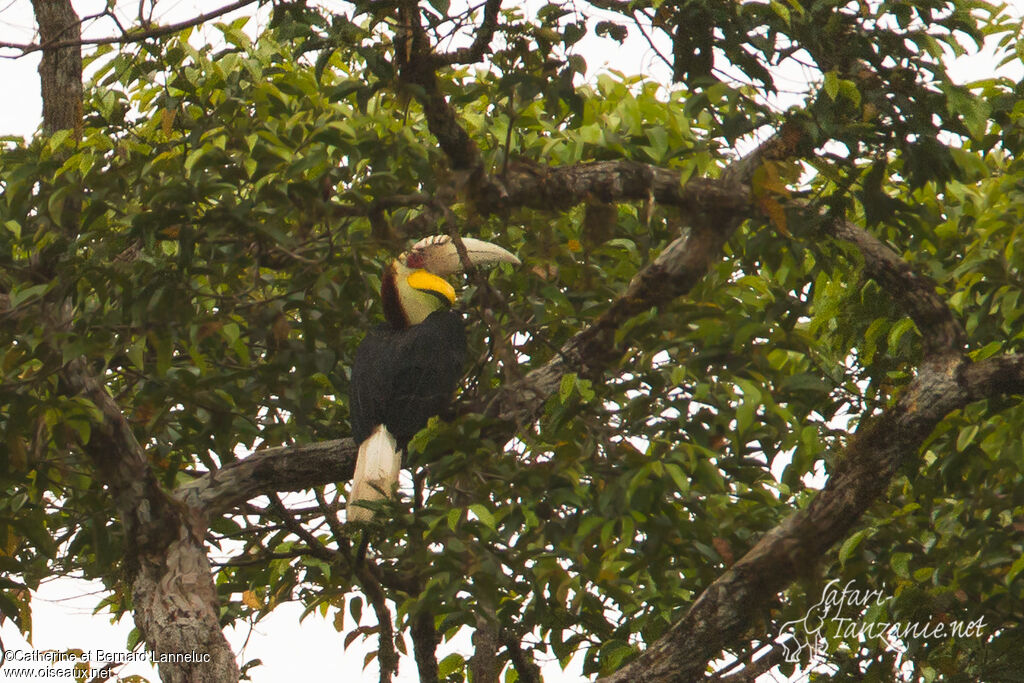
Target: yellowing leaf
<point>167,121</point>
<point>776,214</point>
<point>250,599</point>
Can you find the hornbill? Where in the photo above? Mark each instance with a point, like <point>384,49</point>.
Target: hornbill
<point>406,369</point>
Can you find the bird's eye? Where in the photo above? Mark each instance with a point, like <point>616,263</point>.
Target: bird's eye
<point>414,259</point>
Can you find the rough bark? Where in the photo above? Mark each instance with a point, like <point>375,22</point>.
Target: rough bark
<point>726,609</point>
<point>287,468</point>
<point>483,665</point>
<point>424,645</point>
<point>60,70</point>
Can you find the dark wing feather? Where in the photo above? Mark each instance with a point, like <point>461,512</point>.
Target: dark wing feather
<point>400,378</point>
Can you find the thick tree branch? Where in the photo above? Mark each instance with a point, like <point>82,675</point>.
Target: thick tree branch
<point>726,608</point>
<point>946,381</point>
<point>558,188</point>
<point>286,468</point>
<point>940,331</point>
<point>995,377</point>
<point>415,60</point>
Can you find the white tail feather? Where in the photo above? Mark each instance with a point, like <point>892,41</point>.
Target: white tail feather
<point>376,475</point>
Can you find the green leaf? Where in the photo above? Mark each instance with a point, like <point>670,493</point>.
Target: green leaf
<point>966,437</point>
<point>454,515</point>
<point>452,664</point>
<point>849,546</point>
<point>832,84</point>
<point>484,515</point>
<point>898,330</point>
<point>900,563</point>
<point>1016,568</point>
<point>566,386</point>
<point>679,477</point>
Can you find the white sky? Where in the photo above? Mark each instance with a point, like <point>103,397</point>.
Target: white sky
<point>63,609</point>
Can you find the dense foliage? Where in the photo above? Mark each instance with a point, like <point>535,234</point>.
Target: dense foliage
<point>235,204</point>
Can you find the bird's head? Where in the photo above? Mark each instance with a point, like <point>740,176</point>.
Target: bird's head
<point>414,285</point>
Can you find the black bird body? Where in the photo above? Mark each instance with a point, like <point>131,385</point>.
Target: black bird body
<point>402,377</point>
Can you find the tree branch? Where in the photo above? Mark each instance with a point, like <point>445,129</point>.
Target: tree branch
<point>481,42</point>
<point>726,608</point>
<point>52,43</point>
<point>673,273</point>
<point>424,645</point>
<point>285,468</point>
<point>945,382</point>
<point>558,188</point>
<point>415,60</point>
<point>940,331</point>
<point>525,667</point>
<point>995,377</point>
<point>755,668</point>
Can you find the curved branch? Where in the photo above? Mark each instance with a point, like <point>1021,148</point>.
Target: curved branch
<point>415,61</point>
<point>481,42</point>
<point>940,331</point>
<point>557,188</point>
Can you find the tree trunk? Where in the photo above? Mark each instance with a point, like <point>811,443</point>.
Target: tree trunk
<point>60,70</point>
<point>174,597</point>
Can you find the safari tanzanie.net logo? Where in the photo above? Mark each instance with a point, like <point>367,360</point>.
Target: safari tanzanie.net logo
<point>841,614</point>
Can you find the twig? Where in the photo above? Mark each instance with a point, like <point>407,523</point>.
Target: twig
<point>128,37</point>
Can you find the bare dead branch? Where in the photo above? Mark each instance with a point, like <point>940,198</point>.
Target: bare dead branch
<point>131,36</point>
<point>754,668</point>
